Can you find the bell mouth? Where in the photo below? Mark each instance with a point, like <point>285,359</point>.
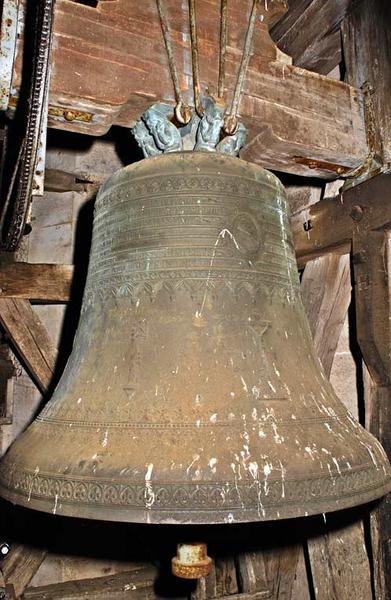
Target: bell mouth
<point>183,516</point>
<point>172,498</point>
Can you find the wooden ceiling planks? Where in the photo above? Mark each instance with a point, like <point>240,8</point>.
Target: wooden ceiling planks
<point>310,33</point>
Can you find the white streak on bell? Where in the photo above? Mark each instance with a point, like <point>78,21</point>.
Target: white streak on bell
<point>149,493</point>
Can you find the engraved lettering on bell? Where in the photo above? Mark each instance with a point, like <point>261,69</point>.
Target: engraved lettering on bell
<point>193,393</point>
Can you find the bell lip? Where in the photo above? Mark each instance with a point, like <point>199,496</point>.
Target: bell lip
<point>196,517</point>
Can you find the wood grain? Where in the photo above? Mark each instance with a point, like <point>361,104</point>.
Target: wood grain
<point>133,585</point>
<point>329,225</point>
<point>35,281</point>
<point>366,35</point>
<point>326,293</point>
<point>340,565</point>
<point>337,556</point>
<point>366,44</point>
<point>309,32</point>
<point>30,338</point>
<point>20,565</point>
<point>251,571</point>
<point>291,113</point>
<point>371,260</point>
<point>281,565</point>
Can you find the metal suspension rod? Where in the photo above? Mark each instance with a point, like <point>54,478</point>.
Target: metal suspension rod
<point>230,121</point>
<point>182,111</point>
<point>223,46</point>
<point>194,56</point>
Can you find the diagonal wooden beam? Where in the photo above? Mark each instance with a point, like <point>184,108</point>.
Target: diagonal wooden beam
<point>30,339</point>
<point>133,584</point>
<point>20,565</point>
<point>326,294</point>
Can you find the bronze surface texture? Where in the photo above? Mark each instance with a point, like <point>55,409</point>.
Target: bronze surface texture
<point>193,393</point>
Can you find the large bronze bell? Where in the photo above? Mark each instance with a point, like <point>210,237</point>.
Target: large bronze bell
<point>193,393</point>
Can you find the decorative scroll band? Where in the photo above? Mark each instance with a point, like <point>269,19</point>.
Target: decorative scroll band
<point>191,496</point>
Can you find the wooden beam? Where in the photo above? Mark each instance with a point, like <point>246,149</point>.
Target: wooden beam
<point>366,35</point>
<point>226,577</point>
<point>378,403</point>
<point>301,197</point>
<point>252,571</point>
<point>134,585</point>
<point>372,272</point>
<point>366,44</point>
<point>299,121</point>
<point>20,565</point>
<point>281,566</point>
<point>326,294</point>
<point>309,32</point>
<point>30,338</point>
<point>57,180</point>
<point>373,302</point>
<point>338,554</point>
<point>271,569</point>
<point>339,562</point>
<point>330,224</point>
<point>221,582</point>
<point>43,282</point>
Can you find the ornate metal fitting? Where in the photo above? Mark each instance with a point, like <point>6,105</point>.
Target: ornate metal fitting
<point>164,133</point>
<point>145,139</point>
<point>155,133</point>
<point>209,129</point>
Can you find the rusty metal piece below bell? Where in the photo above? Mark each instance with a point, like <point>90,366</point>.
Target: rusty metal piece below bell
<point>191,561</point>
<point>193,393</point>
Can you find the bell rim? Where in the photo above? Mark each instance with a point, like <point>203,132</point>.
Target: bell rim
<point>198,517</point>
<point>214,515</point>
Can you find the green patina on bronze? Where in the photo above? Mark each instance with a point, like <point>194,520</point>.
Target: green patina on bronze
<point>193,393</point>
